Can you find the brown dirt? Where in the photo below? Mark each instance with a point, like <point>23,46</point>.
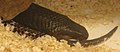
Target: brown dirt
<point>10,8</point>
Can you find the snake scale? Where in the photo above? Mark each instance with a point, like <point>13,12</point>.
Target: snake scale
<point>40,21</point>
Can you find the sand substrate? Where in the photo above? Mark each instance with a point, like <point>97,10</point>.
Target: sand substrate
<point>97,16</point>
<point>13,42</point>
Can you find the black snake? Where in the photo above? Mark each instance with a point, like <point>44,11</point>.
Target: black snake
<point>40,21</point>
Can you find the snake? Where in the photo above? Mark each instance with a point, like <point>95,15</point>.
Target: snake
<point>38,21</point>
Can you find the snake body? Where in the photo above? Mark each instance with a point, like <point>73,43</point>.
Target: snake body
<point>44,21</point>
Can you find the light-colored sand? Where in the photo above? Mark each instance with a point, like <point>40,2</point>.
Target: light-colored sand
<point>98,16</point>
<point>12,42</point>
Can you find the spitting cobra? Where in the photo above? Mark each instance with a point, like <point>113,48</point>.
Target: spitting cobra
<point>40,21</point>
